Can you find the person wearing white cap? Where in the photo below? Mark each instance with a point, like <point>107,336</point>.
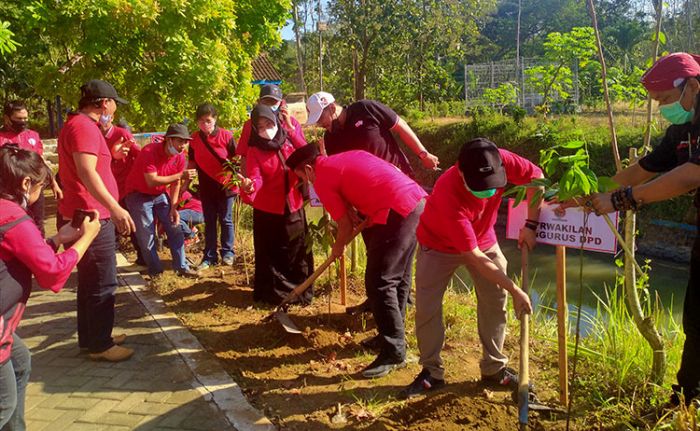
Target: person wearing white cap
<point>366,125</point>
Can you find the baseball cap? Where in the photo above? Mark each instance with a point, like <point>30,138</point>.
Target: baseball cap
<point>98,89</point>
<point>178,130</point>
<point>302,156</point>
<point>316,104</point>
<point>272,91</point>
<point>481,165</point>
<point>671,71</point>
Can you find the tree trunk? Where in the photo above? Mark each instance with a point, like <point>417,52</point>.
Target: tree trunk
<point>297,37</point>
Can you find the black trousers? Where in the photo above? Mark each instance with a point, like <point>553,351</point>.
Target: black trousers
<point>388,277</point>
<point>282,260</point>
<point>689,372</point>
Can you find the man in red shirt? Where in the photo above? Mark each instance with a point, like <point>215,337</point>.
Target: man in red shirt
<point>153,191</point>
<point>359,182</point>
<point>15,119</point>
<point>210,148</point>
<point>124,151</point>
<point>88,183</point>
<point>456,229</point>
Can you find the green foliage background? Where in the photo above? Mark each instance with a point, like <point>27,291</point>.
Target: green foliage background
<point>164,56</point>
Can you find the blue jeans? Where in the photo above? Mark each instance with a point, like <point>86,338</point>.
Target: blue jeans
<point>217,207</point>
<point>14,377</point>
<point>144,209</point>
<point>189,219</point>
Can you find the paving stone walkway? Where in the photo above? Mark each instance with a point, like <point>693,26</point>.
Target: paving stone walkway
<point>154,390</point>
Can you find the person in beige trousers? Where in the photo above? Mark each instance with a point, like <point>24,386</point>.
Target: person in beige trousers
<point>457,228</point>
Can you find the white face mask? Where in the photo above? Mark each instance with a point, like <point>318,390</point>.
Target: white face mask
<point>207,127</point>
<point>276,106</point>
<point>268,134</point>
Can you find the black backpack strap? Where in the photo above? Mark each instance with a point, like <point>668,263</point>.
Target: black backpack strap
<point>285,170</point>
<point>7,226</point>
<point>230,148</point>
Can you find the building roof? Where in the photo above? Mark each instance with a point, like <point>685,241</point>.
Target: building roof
<point>264,72</point>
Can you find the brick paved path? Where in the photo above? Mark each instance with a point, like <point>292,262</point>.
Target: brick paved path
<point>154,390</point>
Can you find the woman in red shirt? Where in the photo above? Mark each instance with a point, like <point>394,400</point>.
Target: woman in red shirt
<point>23,252</point>
<point>282,259</point>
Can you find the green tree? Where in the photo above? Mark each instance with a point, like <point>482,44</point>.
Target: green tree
<point>165,56</point>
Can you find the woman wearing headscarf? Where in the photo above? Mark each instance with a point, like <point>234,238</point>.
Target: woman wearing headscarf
<point>282,259</point>
<point>674,82</point>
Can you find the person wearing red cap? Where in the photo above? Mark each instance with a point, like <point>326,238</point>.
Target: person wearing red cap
<point>282,259</point>
<point>674,82</point>
<point>357,182</point>
<point>88,184</point>
<point>15,118</point>
<point>457,229</point>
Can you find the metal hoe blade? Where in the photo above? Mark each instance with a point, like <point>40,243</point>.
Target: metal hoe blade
<point>286,322</point>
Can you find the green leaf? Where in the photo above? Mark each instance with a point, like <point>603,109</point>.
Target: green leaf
<point>522,194</point>
<point>574,158</point>
<point>572,144</point>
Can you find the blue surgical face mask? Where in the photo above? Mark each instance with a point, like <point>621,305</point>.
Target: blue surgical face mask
<point>275,107</point>
<point>105,119</point>
<point>675,113</point>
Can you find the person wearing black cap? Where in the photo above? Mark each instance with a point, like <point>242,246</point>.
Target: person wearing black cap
<point>84,166</point>
<point>456,229</point>
<point>153,191</point>
<point>271,95</point>
<point>355,182</point>
<point>282,260</point>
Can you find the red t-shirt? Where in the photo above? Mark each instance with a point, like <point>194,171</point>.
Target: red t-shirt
<point>81,134</point>
<point>189,202</point>
<point>220,140</point>
<point>153,158</point>
<point>121,168</point>
<point>267,173</point>
<point>27,139</point>
<point>455,221</point>
<point>296,137</point>
<point>372,185</point>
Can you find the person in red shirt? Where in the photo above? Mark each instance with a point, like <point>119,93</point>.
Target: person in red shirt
<point>359,182</point>
<point>24,252</point>
<point>88,183</point>
<point>153,190</point>
<point>124,151</point>
<point>282,260</point>
<point>190,209</point>
<point>211,147</point>
<point>271,95</point>
<point>456,229</point>
<point>15,130</point>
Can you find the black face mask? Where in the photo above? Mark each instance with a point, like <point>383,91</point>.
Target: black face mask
<point>18,126</point>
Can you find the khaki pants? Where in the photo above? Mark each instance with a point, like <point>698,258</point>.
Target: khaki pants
<point>434,270</point>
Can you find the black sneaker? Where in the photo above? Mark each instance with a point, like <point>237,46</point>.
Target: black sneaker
<point>421,385</point>
<point>380,367</point>
<point>506,377</point>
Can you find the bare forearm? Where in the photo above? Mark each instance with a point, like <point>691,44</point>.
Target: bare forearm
<point>533,208</point>
<point>674,183</point>
<point>175,195</point>
<point>157,180</point>
<point>481,263</point>
<point>633,175</point>
<point>409,137</point>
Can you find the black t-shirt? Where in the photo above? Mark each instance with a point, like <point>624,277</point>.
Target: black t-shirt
<point>368,127</point>
<point>678,146</point>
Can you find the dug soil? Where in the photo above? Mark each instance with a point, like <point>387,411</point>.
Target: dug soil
<point>311,381</point>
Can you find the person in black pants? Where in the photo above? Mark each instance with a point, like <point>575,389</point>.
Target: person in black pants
<point>673,81</point>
